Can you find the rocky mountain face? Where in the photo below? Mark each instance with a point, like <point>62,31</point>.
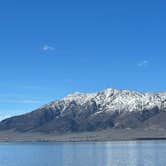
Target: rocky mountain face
<point>111,108</point>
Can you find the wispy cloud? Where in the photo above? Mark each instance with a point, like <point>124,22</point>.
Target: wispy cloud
<point>20,101</point>
<point>20,98</point>
<point>143,63</point>
<point>47,47</point>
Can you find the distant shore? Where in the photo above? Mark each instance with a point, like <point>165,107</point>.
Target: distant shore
<point>104,135</point>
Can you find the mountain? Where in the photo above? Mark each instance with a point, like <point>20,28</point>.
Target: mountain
<point>108,109</point>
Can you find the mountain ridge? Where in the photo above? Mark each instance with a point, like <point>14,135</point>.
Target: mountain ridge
<point>78,112</point>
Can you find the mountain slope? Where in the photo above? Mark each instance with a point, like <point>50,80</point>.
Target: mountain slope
<point>111,108</point>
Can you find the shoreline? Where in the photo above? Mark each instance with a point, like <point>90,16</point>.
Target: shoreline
<point>95,136</point>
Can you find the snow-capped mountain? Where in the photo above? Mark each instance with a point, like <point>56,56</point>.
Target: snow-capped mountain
<point>113,100</point>
<point>110,108</point>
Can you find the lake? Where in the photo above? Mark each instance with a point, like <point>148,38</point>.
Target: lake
<point>132,153</point>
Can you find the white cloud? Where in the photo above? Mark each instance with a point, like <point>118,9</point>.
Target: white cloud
<point>48,48</point>
<point>143,63</point>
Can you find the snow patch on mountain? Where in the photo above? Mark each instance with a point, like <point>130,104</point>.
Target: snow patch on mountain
<point>113,100</point>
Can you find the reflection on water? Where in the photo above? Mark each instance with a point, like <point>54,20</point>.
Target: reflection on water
<point>151,153</point>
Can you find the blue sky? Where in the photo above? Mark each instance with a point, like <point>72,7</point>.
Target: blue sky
<point>50,48</point>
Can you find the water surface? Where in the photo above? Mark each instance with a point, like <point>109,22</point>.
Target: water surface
<point>141,153</point>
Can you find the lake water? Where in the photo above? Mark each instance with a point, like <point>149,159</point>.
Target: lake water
<point>141,153</point>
